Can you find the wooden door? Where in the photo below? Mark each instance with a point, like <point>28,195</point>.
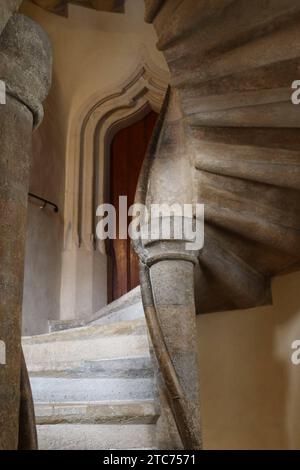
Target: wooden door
<point>128,150</point>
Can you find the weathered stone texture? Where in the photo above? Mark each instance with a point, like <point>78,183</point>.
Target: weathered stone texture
<point>25,63</point>
<point>14,168</point>
<point>233,64</point>
<point>7,8</point>
<point>25,67</point>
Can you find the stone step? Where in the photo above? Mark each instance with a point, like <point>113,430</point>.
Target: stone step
<point>124,314</point>
<point>96,436</point>
<point>128,307</point>
<point>242,282</point>
<point>246,159</point>
<point>93,386</point>
<point>113,412</point>
<point>137,326</point>
<point>258,38</point>
<point>132,367</point>
<point>52,390</point>
<point>73,348</point>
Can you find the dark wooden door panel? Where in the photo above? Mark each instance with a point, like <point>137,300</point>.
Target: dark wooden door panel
<point>127,154</point>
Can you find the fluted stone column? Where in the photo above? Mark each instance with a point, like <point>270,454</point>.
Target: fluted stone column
<point>25,65</point>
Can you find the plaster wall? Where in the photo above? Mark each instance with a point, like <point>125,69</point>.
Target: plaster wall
<point>249,385</point>
<point>44,239</point>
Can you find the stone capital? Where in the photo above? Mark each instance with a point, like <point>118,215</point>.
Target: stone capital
<point>26,63</point>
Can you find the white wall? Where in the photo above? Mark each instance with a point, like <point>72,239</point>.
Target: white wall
<point>249,386</point>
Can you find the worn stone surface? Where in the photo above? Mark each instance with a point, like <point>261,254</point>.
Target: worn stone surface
<point>7,8</point>
<point>120,367</point>
<point>53,389</point>
<point>167,275</point>
<point>83,347</point>
<point>97,436</point>
<point>111,412</point>
<point>26,63</point>
<point>177,318</point>
<point>94,387</point>
<point>27,427</point>
<point>25,67</point>
<point>14,167</point>
<point>127,307</point>
<point>240,126</point>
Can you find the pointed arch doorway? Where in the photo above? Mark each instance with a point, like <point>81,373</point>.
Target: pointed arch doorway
<point>127,152</point>
<point>86,259</point>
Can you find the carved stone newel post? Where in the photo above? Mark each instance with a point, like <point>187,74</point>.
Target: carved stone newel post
<point>25,64</point>
<point>167,270</point>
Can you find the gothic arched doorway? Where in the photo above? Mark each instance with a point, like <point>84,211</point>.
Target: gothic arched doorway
<point>128,149</point>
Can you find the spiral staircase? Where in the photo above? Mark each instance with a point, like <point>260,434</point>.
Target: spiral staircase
<point>93,386</point>
<point>233,64</point>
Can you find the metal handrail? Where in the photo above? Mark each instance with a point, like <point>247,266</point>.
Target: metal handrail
<point>45,201</point>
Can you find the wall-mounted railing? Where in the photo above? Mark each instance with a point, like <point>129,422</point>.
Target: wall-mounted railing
<point>45,202</point>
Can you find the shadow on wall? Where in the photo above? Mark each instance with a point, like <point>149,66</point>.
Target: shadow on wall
<point>249,386</point>
<point>42,270</point>
<point>42,279</point>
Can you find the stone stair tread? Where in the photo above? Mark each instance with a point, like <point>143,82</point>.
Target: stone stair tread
<point>101,412</point>
<point>137,326</point>
<point>93,384</point>
<point>72,348</point>
<point>111,313</point>
<point>96,436</point>
<point>124,367</point>
<point>74,357</point>
<point>90,389</point>
<point>132,312</point>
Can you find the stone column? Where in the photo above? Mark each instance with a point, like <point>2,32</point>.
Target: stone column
<point>25,64</point>
<point>167,269</point>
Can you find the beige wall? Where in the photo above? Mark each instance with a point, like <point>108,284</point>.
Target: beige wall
<point>94,50</point>
<point>250,390</point>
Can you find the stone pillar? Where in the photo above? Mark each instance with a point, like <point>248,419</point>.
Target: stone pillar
<point>167,269</point>
<point>25,64</point>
